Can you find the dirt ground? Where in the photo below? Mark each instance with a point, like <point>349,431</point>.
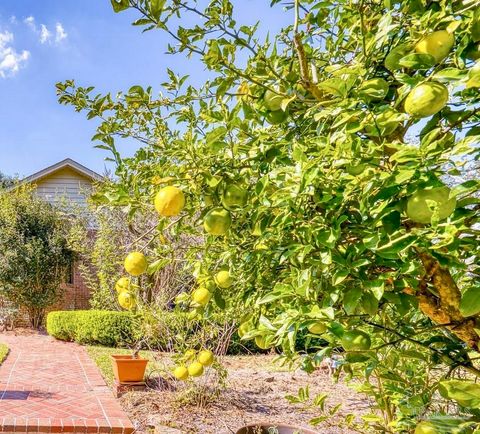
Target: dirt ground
<point>255,392</point>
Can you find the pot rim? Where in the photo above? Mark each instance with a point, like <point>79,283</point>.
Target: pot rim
<point>265,424</point>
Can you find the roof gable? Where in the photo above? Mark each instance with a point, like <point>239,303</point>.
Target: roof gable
<point>67,163</point>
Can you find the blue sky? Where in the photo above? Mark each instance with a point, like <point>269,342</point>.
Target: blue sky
<point>43,42</point>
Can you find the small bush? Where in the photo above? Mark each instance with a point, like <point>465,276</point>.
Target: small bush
<point>102,327</point>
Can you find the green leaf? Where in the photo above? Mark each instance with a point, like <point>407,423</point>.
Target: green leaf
<point>417,61</point>
<point>120,5</point>
<point>466,393</point>
<point>339,277</point>
<point>351,300</point>
<point>470,303</point>
<point>156,8</point>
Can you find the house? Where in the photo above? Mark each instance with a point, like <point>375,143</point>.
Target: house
<point>67,184</point>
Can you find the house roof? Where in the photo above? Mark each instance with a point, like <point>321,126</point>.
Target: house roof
<point>67,163</point>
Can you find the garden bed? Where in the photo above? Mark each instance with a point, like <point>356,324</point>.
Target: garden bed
<point>255,391</point>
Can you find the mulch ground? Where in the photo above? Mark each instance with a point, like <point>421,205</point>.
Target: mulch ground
<point>255,391</point>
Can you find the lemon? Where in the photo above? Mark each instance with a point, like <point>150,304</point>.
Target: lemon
<point>421,205</point>
<point>276,117</point>
<point>205,357</point>
<point>126,300</point>
<point>426,99</point>
<point>201,296</point>
<point>123,284</point>
<point>234,197</point>
<point>438,44</point>
<point>223,279</point>
<point>425,428</point>
<point>272,100</point>
<point>356,169</point>
<point>181,373</point>
<point>195,369</point>
<point>317,328</point>
<point>383,123</point>
<point>263,342</point>
<point>136,263</point>
<point>356,340</point>
<point>217,221</point>
<point>169,201</point>
<point>373,90</point>
<point>190,354</point>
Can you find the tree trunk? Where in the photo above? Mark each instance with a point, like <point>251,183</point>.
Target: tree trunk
<point>444,307</point>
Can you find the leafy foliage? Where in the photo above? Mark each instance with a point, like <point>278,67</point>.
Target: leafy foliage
<point>35,252</point>
<point>329,163</point>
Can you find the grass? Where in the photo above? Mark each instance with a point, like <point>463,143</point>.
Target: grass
<point>3,352</point>
<point>101,357</point>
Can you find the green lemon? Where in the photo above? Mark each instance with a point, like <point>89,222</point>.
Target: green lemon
<point>217,221</point>
<point>234,197</point>
<point>272,100</point>
<point>382,124</point>
<point>317,328</point>
<point>373,90</point>
<point>438,44</point>
<point>421,205</point>
<point>426,99</point>
<point>356,340</point>
<point>276,117</point>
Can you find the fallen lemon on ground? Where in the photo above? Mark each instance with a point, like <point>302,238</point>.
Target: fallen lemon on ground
<point>123,284</point>
<point>217,221</point>
<point>180,373</point>
<point>169,201</point>
<point>136,263</point>
<point>126,300</point>
<point>438,44</point>
<point>201,296</point>
<point>223,279</point>
<point>205,357</point>
<point>356,340</point>
<point>195,369</point>
<point>421,205</point>
<point>426,99</point>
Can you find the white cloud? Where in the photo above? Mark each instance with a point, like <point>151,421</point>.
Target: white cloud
<point>60,34</point>
<point>10,60</point>
<point>44,34</point>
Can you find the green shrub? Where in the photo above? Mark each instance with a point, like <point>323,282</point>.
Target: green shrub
<point>102,327</point>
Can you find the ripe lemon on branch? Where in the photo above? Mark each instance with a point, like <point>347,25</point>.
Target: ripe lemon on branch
<point>205,357</point>
<point>195,369</point>
<point>423,203</point>
<point>438,44</point>
<point>217,221</point>
<point>181,373</point>
<point>201,296</point>
<point>169,201</point>
<point>426,99</point>
<point>223,279</point>
<point>136,263</point>
<point>123,284</point>
<point>126,300</point>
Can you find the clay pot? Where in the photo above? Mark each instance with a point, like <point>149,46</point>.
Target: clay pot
<point>265,428</point>
<point>127,369</point>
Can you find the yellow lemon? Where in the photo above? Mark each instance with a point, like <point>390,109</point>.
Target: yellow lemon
<point>126,300</point>
<point>426,99</point>
<point>223,279</point>
<point>205,357</point>
<point>190,354</point>
<point>421,205</point>
<point>195,369</point>
<point>201,296</point>
<point>169,201</point>
<point>180,373</point>
<point>438,44</point>
<point>136,263</point>
<point>123,284</point>
<point>217,221</point>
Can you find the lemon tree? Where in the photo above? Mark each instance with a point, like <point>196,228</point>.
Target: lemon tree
<point>346,136</point>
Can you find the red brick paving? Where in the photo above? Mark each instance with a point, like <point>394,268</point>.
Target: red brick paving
<point>50,386</point>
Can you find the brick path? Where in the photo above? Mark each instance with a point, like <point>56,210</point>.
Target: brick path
<point>52,386</point>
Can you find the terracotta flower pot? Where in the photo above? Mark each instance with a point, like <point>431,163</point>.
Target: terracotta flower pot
<point>127,369</point>
<point>265,428</point>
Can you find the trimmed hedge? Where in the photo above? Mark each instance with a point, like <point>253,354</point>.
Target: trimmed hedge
<point>102,327</point>
<point>118,329</point>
